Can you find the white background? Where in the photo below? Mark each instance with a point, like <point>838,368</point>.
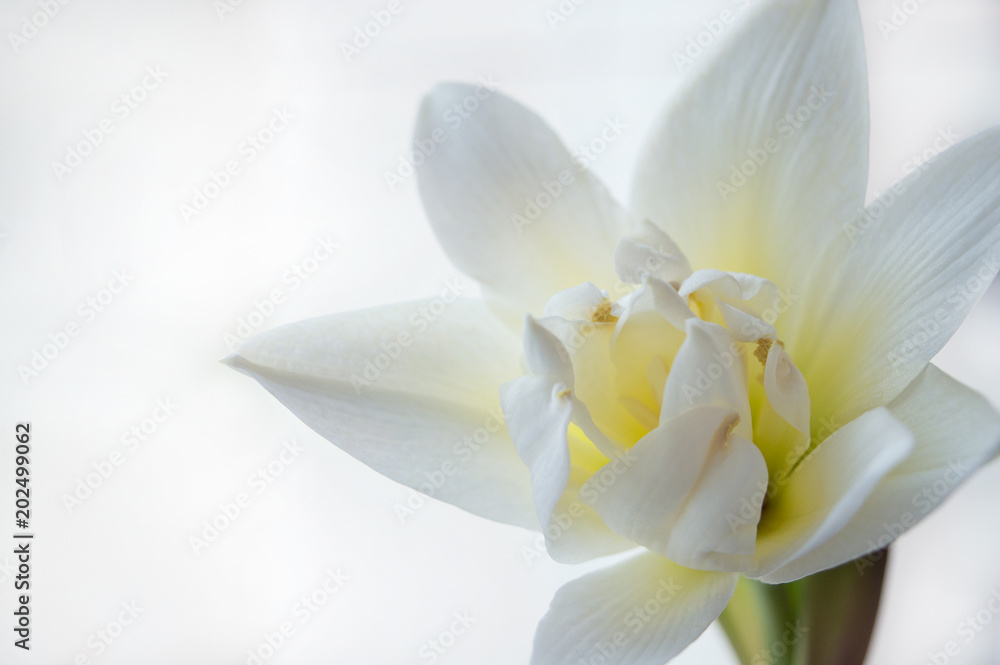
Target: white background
<point>160,338</point>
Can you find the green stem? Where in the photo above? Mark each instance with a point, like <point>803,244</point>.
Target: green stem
<point>823,619</point>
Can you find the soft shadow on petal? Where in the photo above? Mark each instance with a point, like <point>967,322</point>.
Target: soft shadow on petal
<point>414,399</point>
<point>642,611</point>
<point>538,411</point>
<point>763,153</point>
<point>509,204</point>
<point>956,431</point>
<point>826,490</point>
<point>678,490</point>
<point>897,282</point>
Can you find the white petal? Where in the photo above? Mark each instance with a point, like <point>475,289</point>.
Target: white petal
<point>545,353</point>
<point>538,414</point>
<point>509,204</point>
<point>412,398</point>
<point>575,304</point>
<point>676,488</point>
<point>708,370</point>
<point>657,296</point>
<point>538,411</point>
<point>649,252</point>
<point>740,103</point>
<point>717,530</point>
<point>749,304</point>
<point>643,611</point>
<point>599,382</point>
<point>786,389</point>
<point>826,490</point>
<point>956,432</point>
<point>896,287</point>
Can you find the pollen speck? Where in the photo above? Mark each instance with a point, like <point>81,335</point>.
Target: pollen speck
<point>565,393</point>
<point>602,313</point>
<point>764,345</point>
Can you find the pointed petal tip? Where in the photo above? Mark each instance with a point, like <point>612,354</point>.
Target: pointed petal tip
<point>235,361</point>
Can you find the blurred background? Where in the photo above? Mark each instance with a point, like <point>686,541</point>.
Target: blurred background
<point>155,256</point>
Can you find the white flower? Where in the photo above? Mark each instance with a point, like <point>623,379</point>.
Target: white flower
<point>731,378</point>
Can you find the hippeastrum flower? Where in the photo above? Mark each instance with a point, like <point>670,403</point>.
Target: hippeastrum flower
<point>731,378</point>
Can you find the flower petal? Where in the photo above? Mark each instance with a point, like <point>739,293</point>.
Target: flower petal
<point>825,491</point>
<point>956,432</point>
<point>748,304</point>
<point>655,295</point>
<point>509,204</point>
<point>538,411</point>
<point>538,414</point>
<point>545,354</point>
<point>786,389</point>
<point>708,370</point>
<point>642,611</point>
<point>672,492</point>
<point>896,286</point>
<point>648,251</point>
<point>764,152</point>
<point>575,304</point>
<point>412,397</point>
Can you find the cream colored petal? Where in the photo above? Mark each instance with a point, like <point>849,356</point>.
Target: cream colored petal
<point>708,371</point>
<point>825,491</point>
<point>642,611</point>
<point>897,284</point>
<point>539,410</point>
<point>509,204</point>
<point>763,153</point>
<point>956,431</point>
<point>411,397</point>
<point>649,252</point>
